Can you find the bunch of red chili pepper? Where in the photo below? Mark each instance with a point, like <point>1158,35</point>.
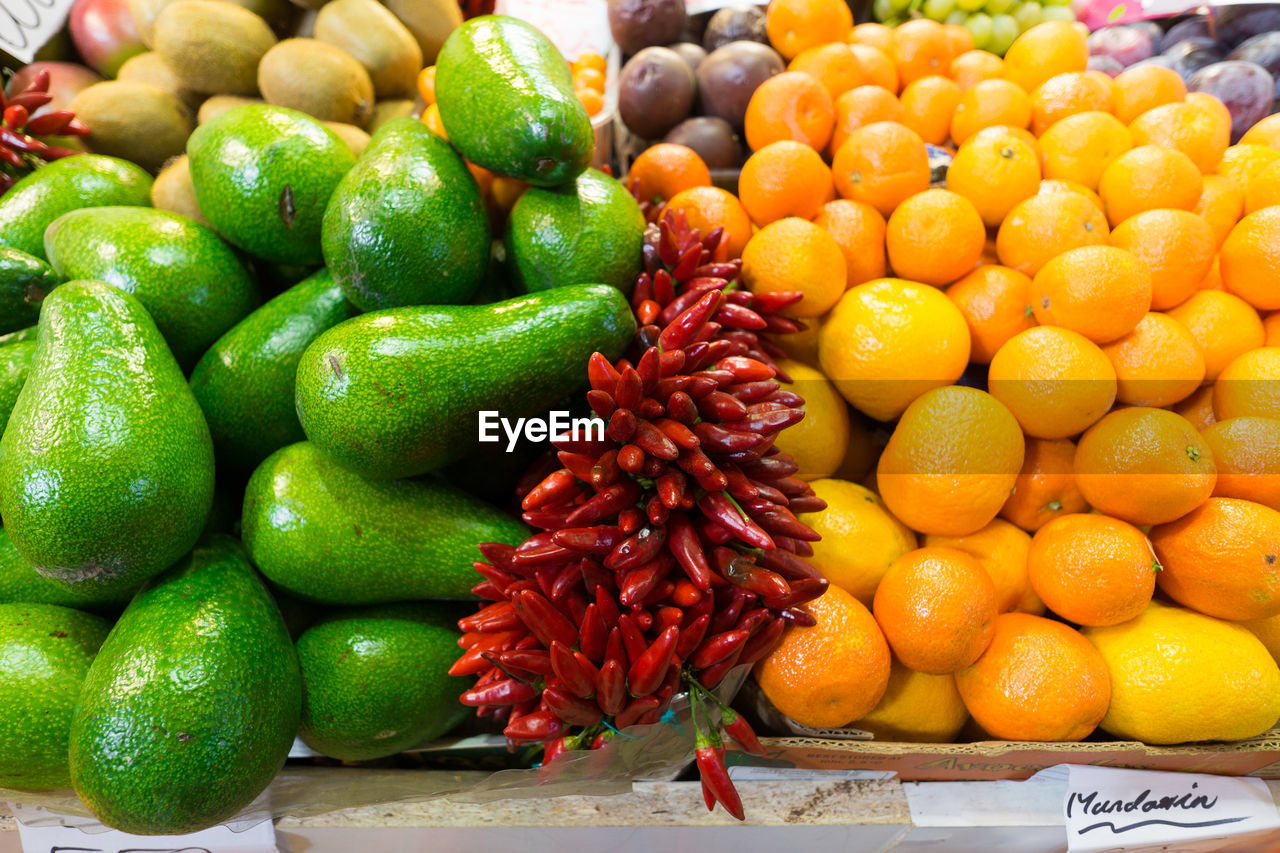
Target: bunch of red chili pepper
<point>668,553</point>
<point>20,152</point>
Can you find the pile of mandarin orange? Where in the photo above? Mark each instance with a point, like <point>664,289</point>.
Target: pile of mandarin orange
<point>1042,394</point>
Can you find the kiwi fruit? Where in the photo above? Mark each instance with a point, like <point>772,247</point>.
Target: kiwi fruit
<point>304,26</point>
<point>275,12</point>
<point>385,111</point>
<point>144,14</point>
<point>219,104</point>
<point>150,67</point>
<point>377,40</point>
<point>174,191</point>
<point>355,138</point>
<point>430,21</point>
<point>135,121</point>
<point>316,78</point>
<point>213,47</point>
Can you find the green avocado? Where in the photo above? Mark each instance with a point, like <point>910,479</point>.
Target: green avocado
<point>20,336</point>
<point>191,706</point>
<point>106,467</point>
<point>191,283</point>
<point>590,230</point>
<point>85,180</point>
<point>506,98</point>
<point>263,175</point>
<point>15,366</point>
<point>24,282</point>
<point>407,225</point>
<point>244,383</point>
<point>45,652</point>
<point>398,393</point>
<point>375,680</point>
<point>324,534</point>
<point>20,582</point>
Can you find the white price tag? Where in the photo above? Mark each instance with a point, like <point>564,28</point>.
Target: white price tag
<point>1108,809</point>
<point>260,838</point>
<point>25,25</point>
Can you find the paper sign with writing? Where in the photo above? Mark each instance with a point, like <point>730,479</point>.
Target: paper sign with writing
<point>1108,808</point>
<point>68,839</point>
<point>25,25</point>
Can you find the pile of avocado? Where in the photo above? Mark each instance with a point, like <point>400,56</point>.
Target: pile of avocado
<point>224,522</point>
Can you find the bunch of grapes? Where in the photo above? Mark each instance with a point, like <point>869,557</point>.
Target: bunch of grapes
<point>994,24</point>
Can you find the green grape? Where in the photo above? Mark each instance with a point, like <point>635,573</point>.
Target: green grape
<point>1057,2</point>
<point>900,6</point>
<point>958,17</point>
<point>1059,13</point>
<point>1027,15</point>
<point>1004,29</point>
<point>938,10</point>
<point>881,10</point>
<point>999,7</point>
<point>970,5</point>
<point>894,21</point>
<point>979,26</point>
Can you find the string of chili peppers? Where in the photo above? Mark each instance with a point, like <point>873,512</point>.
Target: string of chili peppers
<point>668,553</point>
<point>20,151</point>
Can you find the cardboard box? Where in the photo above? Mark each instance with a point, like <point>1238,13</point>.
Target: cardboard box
<point>849,748</point>
<point>1005,760</point>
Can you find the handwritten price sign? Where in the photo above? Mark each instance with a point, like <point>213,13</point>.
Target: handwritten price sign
<point>67,839</point>
<point>1108,809</point>
<point>25,25</point>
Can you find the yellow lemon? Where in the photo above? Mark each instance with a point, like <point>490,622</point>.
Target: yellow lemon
<point>819,442</point>
<point>860,538</point>
<point>916,707</point>
<point>890,340</point>
<point>1178,676</point>
<point>864,450</point>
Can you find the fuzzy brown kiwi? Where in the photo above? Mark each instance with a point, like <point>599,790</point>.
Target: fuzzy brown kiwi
<point>385,111</point>
<point>219,104</point>
<point>318,79</point>
<point>355,138</point>
<point>174,191</point>
<point>378,41</point>
<point>213,47</point>
<point>150,68</point>
<point>430,21</point>
<point>277,13</point>
<point>134,121</point>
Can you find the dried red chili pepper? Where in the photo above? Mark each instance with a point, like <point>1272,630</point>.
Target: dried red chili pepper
<point>715,776</point>
<point>570,708</point>
<point>509,692</point>
<point>740,730</point>
<point>650,667</point>
<point>686,475</point>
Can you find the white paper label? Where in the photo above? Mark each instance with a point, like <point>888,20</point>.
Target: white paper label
<point>25,25</point>
<point>1108,808</point>
<point>574,26</point>
<point>67,839</point>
